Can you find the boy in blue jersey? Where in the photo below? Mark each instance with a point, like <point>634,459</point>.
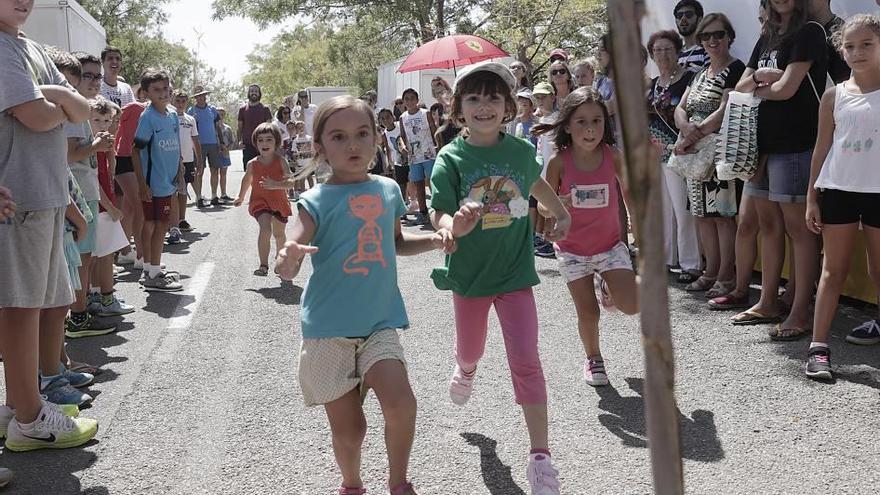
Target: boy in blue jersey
<point>159,168</point>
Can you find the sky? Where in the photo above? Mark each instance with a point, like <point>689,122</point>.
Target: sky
<point>224,44</point>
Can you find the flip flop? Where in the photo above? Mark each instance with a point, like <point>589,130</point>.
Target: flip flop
<point>780,334</point>
<point>752,317</point>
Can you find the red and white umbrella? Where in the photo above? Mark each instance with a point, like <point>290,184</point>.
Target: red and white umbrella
<point>451,52</point>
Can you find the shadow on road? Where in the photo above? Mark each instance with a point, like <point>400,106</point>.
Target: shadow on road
<point>165,304</point>
<point>496,475</point>
<point>44,472</point>
<point>625,418</point>
<point>286,294</point>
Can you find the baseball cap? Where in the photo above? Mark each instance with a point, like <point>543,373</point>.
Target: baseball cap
<point>543,88</point>
<point>494,67</point>
<point>559,53</point>
<point>199,91</point>
<point>526,93</point>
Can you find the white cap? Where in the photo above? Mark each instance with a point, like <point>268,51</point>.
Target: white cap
<point>493,67</point>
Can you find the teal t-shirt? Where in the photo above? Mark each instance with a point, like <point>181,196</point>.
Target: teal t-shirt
<point>353,288</point>
<point>498,255</point>
<point>158,137</point>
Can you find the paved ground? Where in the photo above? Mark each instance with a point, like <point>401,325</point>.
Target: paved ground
<point>200,395</point>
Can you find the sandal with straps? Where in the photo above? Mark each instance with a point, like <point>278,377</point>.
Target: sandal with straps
<point>701,284</point>
<point>721,289</point>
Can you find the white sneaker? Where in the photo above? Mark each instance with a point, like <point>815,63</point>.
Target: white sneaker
<point>461,386</point>
<point>7,413</point>
<point>543,478</point>
<point>51,430</point>
<point>127,259</point>
<point>594,372</point>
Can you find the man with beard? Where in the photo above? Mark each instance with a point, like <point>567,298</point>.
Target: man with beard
<point>250,115</point>
<point>688,14</point>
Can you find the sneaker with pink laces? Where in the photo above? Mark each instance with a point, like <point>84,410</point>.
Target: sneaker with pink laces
<point>344,490</point>
<point>543,477</point>
<point>461,386</point>
<point>594,371</point>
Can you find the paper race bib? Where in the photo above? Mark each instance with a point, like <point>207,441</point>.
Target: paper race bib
<point>589,196</point>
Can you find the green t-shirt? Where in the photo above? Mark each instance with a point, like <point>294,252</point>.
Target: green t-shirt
<point>498,255</point>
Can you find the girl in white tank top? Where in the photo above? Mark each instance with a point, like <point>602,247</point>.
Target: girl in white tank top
<point>844,188</point>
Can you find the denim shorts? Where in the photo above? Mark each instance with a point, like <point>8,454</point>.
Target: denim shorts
<point>418,172</point>
<point>785,180</point>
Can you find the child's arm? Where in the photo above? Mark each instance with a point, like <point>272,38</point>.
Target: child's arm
<point>547,196</point>
<point>290,258</point>
<point>146,194</point>
<point>554,179</point>
<point>75,153</point>
<point>824,140</point>
<point>75,216</point>
<point>409,244</point>
<point>197,146</point>
<point>245,187</point>
<point>115,213</point>
<point>433,128</point>
<point>624,191</point>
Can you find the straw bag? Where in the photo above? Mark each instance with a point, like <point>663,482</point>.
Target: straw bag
<point>699,165</point>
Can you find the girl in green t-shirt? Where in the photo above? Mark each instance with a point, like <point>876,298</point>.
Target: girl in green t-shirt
<point>480,189</point>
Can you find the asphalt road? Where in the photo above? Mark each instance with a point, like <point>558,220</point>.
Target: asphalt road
<point>200,396</point>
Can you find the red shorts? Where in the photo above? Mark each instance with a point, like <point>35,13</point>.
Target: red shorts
<point>158,210</point>
<point>278,216</point>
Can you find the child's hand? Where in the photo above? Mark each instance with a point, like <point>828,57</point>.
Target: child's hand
<point>82,229</point>
<point>466,218</point>
<point>237,202</point>
<point>146,194</point>
<point>103,141</point>
<point>814,216</point>
<point>559,230</point>
<point>272,184</point>
<point>115,213</point>
<point>443,239</point>
<point>7,206</point>
<point>289,258</point>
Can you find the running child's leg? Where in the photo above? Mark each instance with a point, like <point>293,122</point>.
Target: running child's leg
<point>519,325</point>
<point>279,233</point>
<point>349,428</point>
<point>839,244</point>
<point>622,286</point>
<point>265,236</point>
<point>389,380</point>
<point>583,294</point>
<point>471,325</point>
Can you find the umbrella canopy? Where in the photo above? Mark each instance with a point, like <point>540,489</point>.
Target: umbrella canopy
<point>450,52</point>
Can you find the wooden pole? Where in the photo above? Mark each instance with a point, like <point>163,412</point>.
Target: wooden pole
<point>643,178</point>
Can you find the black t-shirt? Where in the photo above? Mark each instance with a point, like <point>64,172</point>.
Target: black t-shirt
<point>791,126</point>
<point>837,67</point>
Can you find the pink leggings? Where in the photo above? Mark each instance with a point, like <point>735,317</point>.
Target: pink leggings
<point>519,325</point>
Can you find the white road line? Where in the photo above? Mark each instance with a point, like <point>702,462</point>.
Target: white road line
<point>194,287</point>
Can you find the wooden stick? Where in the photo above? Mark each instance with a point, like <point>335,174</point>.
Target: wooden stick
<point>643,179</point>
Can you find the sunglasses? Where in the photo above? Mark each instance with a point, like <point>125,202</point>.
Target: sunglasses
<point>557,72</point>
<point>689,14</point>
<point>715,35</point>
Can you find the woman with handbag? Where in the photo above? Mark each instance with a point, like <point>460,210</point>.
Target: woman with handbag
<point>699,116</point>
<point>787,68</point>
<point>664,95</point>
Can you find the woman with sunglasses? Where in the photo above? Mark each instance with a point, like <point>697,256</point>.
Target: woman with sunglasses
<point>787,69</point>
<point>664,94</point>
<point>713,202</point>
<point>521,74</point>
<point>561,79</point>
<point>282,117</point>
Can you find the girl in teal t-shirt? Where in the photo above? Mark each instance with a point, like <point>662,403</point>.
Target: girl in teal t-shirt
<point>480,192</point>
<point>350,226</point>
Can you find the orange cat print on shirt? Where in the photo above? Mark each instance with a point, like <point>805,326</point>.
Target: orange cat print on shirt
<point>369,249</point>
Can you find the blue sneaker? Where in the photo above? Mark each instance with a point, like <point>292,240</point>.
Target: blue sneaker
<point>545,251</point>
<point>59,391</point>
<point>174,235</point>
<point>77,379</point>
<point>868,333</point>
